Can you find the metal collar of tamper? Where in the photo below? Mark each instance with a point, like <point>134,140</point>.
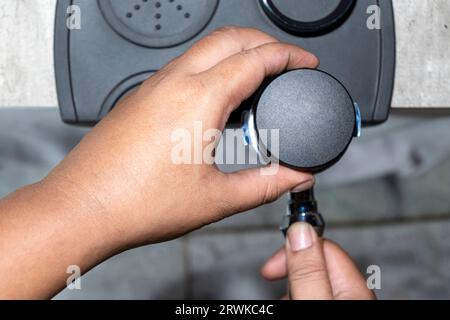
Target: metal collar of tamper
<point>250,135</point>
<point>302,207</point>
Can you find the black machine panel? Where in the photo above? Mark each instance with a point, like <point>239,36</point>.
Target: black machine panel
<point>120,43</point>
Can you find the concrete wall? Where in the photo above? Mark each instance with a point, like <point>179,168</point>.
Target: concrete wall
<point>26,53</point>
<point>423,68</point>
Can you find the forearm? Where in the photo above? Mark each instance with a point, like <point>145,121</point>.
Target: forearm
<point>121,187</point>
<point>44,229</point>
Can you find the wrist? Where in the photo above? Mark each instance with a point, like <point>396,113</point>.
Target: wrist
<point>44,228</point>
<point>81,215</point>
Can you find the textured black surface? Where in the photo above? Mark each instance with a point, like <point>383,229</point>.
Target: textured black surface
<point>314,114</point>
<point>158,24</point>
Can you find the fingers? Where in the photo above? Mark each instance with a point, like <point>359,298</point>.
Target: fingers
<point>346,280</point>
<point>275,268</point>
<point>248,189</point>
<point>220,45</point>
<point>307,270</point>
<point>237,77</point>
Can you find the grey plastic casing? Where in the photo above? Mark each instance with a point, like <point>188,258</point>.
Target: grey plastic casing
<point>96,65</point>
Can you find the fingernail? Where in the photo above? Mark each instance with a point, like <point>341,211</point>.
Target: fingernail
<point>303,186</point>
<point>299,237</point>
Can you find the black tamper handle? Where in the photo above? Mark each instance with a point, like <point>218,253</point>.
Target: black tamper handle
<point>315,118</point>
<point>303,208</point>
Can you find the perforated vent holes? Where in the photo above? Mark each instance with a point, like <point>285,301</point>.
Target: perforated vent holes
<point>158,23</point>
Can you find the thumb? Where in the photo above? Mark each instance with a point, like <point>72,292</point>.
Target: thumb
<point>248,189</point>
<point>307,271</point>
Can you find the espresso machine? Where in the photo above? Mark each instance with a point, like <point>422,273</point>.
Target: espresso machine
<point>118,44</point>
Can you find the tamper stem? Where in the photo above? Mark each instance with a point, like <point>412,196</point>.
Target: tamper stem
<point>303,208</point>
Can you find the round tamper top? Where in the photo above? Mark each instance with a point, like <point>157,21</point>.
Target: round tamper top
<point>313,114</point>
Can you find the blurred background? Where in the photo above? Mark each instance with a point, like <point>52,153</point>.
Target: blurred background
<point>387,202</point>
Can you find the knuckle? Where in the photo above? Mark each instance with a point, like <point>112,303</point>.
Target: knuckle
<point>186,88</point>
<point>208,88</point>
<point>225,203</point>
<point>229,29</point>
<point>227,32</point>
<point>162,84</point>
<point>226,207</point>
<point>153,83</point>
<point>308,271</point>
<point>233,32</point>
<point>354,292</point>
<point>249,52</point>
<point>204,92</point>
<point>255,58</point>
<point>270,192</point>
<point>201,84</point>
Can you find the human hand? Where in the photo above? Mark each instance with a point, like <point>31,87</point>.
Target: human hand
<point>119,188</point>
<point>316,269</point>
<point>124,166</point>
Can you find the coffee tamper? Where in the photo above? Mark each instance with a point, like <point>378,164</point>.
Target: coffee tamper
<point>314,118</point>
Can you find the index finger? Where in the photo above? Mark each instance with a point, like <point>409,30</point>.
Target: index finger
<point>347,282</point>
<point>236,78</point>
<point>220,45</point>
